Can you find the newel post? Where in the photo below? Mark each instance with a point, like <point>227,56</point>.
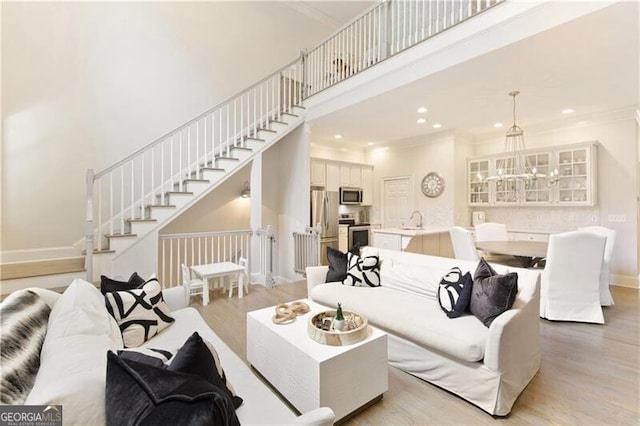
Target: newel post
<point>88,227</point>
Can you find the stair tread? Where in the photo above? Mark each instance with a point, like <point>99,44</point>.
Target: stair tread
<point>141,220</point>
<point>227,158</point>
<point>251,138</point>
<point>178,192</point>
<point>279,122</point>
<point>290,114</point>
<point>162,206</point>
<point>241,148</point>
<point>262,129</point>
<point>212,169</point>
<point>195,180</point>
<point>101,251</point>
<point>120,235</point>
<point>300,106</point>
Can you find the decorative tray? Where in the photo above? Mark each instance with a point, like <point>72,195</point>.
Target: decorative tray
<point>320,328</point>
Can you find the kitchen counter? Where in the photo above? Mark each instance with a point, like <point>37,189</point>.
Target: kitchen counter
<point>412,231</point>
<point>431,240</point>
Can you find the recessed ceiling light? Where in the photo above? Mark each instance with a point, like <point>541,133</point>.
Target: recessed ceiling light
<point>568,111</point>
<point>497,125</point>
<point>371,143</point>
<point>420,120</point>
<point>338,136</point>
<point>437,126</point>
<point>422,110</point>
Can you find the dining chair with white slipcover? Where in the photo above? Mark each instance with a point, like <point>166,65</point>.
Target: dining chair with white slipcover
<point>605,294</point>
<point>463,246</point>
<point>493,231</point>
<point>570,285</point>
<point>192,285</point>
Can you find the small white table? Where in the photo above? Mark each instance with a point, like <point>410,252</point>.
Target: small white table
<point>212,270</point>
<point>312,375</point>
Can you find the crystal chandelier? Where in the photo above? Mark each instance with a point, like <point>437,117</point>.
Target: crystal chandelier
<point>515,176</point>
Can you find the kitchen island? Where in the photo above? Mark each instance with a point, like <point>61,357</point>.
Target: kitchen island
<point>431,240</point>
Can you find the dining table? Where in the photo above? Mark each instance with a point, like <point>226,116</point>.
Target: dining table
<point>528,253</point>
<point>220,269</point>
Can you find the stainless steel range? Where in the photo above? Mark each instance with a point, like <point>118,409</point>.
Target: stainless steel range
<point>358,232</point>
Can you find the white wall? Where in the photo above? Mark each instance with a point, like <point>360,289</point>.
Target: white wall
<point>416,158</point>
<point>285,195</point>
<point>84,84</point>
<point>223,209</point>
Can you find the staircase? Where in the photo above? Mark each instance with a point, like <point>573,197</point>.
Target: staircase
<point>140,194</point>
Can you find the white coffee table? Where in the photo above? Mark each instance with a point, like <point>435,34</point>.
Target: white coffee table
<point>310,374</point>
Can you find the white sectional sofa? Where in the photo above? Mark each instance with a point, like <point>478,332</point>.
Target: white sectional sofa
<point>489,367</point>
<point>78,379</point>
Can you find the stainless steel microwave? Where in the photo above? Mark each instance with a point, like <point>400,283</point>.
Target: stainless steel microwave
<point>350,195</point>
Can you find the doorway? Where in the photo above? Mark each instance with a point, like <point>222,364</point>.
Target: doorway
<point>396,201</point>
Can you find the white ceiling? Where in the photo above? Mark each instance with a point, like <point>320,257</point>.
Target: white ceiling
<point>590,64</point>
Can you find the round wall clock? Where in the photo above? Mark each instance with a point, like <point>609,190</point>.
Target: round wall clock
<point>432,185</point>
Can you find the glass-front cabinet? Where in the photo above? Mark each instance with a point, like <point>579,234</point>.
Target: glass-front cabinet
<point>478,171</point>
<point>538,191</point>
<point>575,184</point>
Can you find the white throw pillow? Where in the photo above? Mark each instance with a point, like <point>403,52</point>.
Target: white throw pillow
<point>362,271</point>
<point>140,313</point>
<point>73,360</point>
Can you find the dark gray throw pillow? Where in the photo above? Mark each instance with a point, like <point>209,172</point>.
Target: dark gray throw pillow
<point>338,263</point>
<point>492,294</point>
<point>108,285</point>
<point>454,292</point>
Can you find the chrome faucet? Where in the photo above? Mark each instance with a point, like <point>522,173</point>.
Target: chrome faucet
<point>421,218</point>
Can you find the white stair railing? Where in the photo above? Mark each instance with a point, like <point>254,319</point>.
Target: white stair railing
<point>199,249</point>
<point>386,28</point>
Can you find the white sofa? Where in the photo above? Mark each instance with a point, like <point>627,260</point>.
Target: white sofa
<point>487,366</point>
<point>78,379</point>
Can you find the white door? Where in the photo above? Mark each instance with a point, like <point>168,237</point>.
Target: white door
<point>396,202</point>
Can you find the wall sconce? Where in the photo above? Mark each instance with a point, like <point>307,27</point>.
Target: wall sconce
<point>246,192</point>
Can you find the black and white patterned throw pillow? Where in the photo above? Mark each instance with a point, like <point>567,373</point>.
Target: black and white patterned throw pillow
<point>454,292</point>
<point>362,271</point>
<point>140,313</point>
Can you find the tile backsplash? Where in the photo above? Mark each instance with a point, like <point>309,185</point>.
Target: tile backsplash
<point>543,218</point>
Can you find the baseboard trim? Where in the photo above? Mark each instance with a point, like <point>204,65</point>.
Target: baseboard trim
<point>625,281</point>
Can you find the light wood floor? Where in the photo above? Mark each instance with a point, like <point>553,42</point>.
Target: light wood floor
<point>590,374</point>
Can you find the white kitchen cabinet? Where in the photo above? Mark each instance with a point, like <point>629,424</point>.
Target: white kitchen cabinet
<point>318,173</point>
<point>367,186</point>
<point>333,176</point>
<point>388,241</point>
<point>350,176</point>
<point>478,187</point>
<point>577,185</point>
<point>577,168</point>
<point>343,238</point>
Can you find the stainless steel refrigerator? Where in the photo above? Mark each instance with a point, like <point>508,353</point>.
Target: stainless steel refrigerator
<point>324,214</point>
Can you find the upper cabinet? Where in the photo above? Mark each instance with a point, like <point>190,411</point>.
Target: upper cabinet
<point>318,173</point>
<point>350,175</point>
<point>576,186</point>
<point>334,174</point>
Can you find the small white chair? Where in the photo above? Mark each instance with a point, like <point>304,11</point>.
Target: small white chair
<point>605,294</point>
<point>493,231</point>
<point>243,279</point>
<point>463,246</point>
<point>193,286</point>
<point>570,284</point>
